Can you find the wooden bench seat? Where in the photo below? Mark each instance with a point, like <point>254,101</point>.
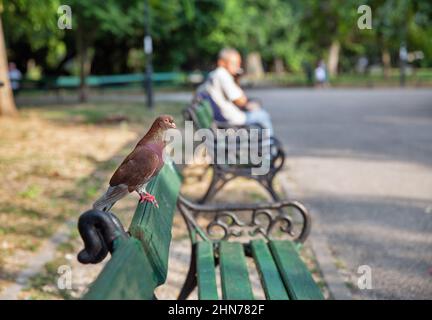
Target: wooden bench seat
<point>283,275</point>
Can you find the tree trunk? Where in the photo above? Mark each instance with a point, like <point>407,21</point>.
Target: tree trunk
<point>7,103</point>
<point>279,67</point>
<point>386,60</point>
<point>333,60</point>
<point>254,67</point>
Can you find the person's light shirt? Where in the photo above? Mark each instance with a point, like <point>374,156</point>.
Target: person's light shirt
<point>222,88</point>
<point>15,77</point>
<point>320,74</point>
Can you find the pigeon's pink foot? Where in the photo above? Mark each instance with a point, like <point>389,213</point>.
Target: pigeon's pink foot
<point>150,198</point>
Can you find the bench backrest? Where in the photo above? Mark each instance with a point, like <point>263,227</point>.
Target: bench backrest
<point>204,114</point>
<point>151,225</point>
<point>140,263</point>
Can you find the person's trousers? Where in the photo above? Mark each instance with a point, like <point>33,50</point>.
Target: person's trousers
<point>261,117</point>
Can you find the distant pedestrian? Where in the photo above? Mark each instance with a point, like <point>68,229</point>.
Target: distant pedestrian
<point>14,77</point>
<point>362,65</point>
<point>321,74</point>
<point>308,70</point>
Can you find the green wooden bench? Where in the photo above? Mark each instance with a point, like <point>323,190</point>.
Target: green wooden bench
<point>201,113</point>
<point>139,261</point>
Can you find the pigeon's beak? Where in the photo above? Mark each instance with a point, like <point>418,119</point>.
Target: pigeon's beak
<point>173,125</point>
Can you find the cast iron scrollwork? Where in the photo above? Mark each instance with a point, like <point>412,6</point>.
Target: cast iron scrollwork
<point>272,221</point>
<point>251,220</point>
<point>262,222</point>
<point>225,221</point>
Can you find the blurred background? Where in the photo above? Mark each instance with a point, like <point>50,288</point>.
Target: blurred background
<point>282,42</point>
<point>352,106</point>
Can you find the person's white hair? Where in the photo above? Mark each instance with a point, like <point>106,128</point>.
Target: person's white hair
<point>226,53</point>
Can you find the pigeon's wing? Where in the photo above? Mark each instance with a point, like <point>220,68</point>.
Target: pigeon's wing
<point>138,168</point>
<point>110,197</point>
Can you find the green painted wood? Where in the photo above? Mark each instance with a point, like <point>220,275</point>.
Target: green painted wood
<point>72,81</point>
<point>296,276</point>
<point>271,280</point>
<point>151,225</point>
<point>127,275</point>
<point>206,274</point>
<point>174,168</point>
<point>208,110</point>
<point>204,114</point>
<point>234,272</point>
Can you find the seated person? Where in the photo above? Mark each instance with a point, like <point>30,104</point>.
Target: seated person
<point>232,105</point>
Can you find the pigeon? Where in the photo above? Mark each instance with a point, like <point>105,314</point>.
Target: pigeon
<point>139,167</point>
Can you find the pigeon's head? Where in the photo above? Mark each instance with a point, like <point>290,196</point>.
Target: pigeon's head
<point>166,122</point>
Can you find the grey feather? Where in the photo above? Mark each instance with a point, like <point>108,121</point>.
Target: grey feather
<point>111,196</point>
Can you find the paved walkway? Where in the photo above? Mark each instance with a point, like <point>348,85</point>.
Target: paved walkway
<point>362,160</point>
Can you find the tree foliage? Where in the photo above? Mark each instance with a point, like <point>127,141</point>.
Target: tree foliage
<point>188,34</point>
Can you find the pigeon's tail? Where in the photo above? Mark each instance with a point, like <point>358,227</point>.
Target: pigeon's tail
<point>111,196</point>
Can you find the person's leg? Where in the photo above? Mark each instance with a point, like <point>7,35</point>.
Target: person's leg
<point>261,117</point>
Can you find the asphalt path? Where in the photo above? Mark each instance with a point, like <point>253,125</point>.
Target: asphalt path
<point>362,160</point>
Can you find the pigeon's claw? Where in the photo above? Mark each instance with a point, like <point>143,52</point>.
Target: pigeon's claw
<point>150,198</point>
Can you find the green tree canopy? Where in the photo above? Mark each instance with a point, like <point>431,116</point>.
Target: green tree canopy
<point>188,34</point>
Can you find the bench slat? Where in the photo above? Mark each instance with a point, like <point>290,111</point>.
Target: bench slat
<point>127,275</point>
<point>206,274</point>
<point>151,225</point>
<point>208,110</point>
<point>271,280</point>
<point>297,278</point>
<point>204,115</point>
<point>234,272</point>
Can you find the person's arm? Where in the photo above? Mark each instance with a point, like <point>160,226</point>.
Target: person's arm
<point>241,102</point>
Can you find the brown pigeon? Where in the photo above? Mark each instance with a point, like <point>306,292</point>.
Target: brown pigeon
<point>139,167</point>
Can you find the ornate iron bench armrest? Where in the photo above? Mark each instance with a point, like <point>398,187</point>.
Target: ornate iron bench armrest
<point>263,218</point>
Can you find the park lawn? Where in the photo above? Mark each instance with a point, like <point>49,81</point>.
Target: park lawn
<point>54,161</point>
<point>419,78</point>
